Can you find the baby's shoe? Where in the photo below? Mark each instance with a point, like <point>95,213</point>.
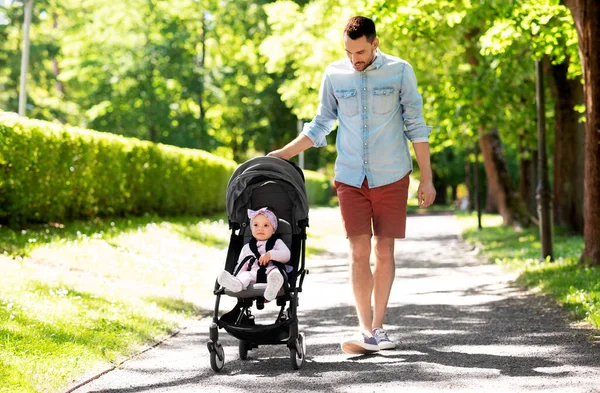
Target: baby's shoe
<point>229,281</point>
<point>274,283</point>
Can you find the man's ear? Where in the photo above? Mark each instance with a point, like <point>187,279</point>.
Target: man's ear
<point>375,44</point>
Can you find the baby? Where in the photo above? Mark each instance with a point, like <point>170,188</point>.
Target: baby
<point>263,223</point>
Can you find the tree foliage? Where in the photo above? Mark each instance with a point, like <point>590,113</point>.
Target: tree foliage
<point>144,68</point>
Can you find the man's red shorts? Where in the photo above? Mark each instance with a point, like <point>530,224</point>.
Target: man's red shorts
<point>381,208</point>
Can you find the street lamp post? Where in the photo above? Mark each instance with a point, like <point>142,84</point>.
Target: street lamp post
<point>299,126</point>
<point>543,193</point>
<point>25,58</point>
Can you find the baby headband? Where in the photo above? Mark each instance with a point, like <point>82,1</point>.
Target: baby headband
<point>265,212</point>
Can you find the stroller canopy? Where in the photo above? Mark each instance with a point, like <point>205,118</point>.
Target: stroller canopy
<point>271,182</point>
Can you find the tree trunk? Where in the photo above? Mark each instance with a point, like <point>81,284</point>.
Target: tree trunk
<point>469,184</point>
<point>153,133</point>
<point>60,87</point>
<point>569,137</point>
<point>201,66</point>
<point>528,180</point>
<point>511,208</point>
<point>441,193</point>
<point>491,207</point>
<point>586,14</point>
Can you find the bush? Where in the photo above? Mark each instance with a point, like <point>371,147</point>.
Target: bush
<point>50,172</point>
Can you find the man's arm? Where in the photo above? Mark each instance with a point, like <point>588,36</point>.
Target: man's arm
<point>426,192</point>
<point>297,146</point>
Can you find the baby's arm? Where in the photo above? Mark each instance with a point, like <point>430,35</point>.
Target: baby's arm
<point>280,252</point>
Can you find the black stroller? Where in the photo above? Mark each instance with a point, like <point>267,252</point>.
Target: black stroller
<point>279,185</point>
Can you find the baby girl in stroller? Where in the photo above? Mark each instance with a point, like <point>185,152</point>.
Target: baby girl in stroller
<point>264,254</point>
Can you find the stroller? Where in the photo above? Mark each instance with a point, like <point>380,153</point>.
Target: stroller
<point>279,185</point>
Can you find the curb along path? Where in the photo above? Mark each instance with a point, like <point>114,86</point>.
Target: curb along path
<point>463,326</point>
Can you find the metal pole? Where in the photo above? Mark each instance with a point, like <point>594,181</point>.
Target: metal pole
<point>299,125</point>
<point>543,193</point>
<point>25,59</point>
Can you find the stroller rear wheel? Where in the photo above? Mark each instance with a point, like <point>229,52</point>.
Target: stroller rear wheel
<point>243,348</point>
<point>217,357</point>
<point>298,352</point>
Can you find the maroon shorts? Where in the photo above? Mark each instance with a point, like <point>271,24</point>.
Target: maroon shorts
<point>381,208</point>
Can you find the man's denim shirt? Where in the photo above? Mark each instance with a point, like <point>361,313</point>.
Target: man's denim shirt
<point>373,107</point>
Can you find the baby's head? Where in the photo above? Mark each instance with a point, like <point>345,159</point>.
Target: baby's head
<point>263,223</point>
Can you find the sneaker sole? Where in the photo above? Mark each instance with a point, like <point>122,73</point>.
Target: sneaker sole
<point>387,345</point>
<point>230,282</point>
<point>358,348</point>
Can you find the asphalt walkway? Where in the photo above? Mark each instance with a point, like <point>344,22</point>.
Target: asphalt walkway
<point>462,325</point>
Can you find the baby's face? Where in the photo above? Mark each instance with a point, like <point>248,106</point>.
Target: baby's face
<point>261,228</point>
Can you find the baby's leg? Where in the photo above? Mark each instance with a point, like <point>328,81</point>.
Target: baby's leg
<point>274,283</point>
<point>229,281</point>
<point>246,277</point>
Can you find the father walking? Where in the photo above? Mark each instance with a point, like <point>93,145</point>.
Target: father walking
<point>374,98</point>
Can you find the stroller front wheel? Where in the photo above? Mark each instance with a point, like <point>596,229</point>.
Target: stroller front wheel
<point>217,357</point>
<point>298,352</point>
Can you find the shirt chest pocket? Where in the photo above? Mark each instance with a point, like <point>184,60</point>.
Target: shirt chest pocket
<point>384,100</point>
<point>347,101</point>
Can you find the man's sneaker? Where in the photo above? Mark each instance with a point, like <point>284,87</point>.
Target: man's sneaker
<point>362,344</point>
<point>382,339</point>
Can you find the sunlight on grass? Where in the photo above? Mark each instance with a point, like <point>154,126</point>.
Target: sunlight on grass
<point>575,286</point>
<point>77,296</point>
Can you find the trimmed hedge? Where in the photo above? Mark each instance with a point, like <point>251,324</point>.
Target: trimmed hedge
<point>50,172</point>
<point>318,188</point>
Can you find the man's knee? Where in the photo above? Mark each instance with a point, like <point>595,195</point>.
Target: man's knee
<point>384,248</point>
<point>360,249</point>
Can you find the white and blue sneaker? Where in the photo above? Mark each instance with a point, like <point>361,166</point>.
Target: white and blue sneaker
<point>383,341</point>
<point>362,344</point>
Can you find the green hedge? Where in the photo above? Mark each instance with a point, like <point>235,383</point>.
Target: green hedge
<point>318,188</point>
<point>50,172</point>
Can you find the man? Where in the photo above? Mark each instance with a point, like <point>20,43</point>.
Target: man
<point>374,98</point>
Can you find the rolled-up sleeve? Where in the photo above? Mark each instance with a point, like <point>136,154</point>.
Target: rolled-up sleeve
<point>412,108</point>
<point>324,120</point>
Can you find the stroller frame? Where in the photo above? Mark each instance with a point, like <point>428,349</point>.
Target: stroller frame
<point>239,322</point>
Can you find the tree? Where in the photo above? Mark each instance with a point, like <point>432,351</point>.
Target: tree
<point>532,30</point>
<point>586,14</point>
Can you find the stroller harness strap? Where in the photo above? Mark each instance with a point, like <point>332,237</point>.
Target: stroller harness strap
<point>261,274</point>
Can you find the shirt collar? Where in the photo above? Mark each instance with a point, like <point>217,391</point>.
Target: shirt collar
<point>378,62</point>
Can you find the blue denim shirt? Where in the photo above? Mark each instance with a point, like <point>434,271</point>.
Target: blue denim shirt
<point>379,110</point>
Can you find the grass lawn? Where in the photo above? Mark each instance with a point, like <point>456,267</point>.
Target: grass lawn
<point>78,296</point>
<point>574,286</point>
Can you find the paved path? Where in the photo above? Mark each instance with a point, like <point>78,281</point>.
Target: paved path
<point>462,323</point>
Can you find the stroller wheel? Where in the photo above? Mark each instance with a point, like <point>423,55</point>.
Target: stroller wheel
<point>298,353</point>
<point>217,358</point>
<point>243,347</point>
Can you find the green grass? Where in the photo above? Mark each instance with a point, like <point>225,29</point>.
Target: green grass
<point>77,296</point>
<point>576,287</point>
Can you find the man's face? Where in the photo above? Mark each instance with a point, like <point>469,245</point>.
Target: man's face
<point>360,51</point>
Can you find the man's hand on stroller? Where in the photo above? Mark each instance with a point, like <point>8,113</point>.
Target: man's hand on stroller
<point>265,258</point>
<point>280,153</point>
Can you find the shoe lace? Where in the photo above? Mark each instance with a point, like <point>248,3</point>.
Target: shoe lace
<point>380,334</point>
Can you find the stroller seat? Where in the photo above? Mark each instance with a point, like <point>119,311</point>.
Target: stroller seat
<point>284,230</point>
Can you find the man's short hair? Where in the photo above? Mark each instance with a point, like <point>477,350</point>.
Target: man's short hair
<point>359,26</point>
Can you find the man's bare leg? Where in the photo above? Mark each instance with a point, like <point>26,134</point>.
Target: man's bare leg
<point>383,278</point>
<point>362,278</point>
